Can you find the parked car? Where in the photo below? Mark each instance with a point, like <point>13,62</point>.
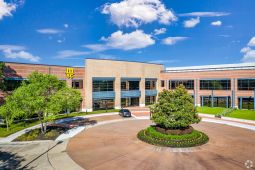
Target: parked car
<point>125,113</point>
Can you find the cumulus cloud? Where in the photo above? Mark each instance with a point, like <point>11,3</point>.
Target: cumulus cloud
<point>216,23</point>
<point>124,41</point>
<point>249,52</point>
<point>160,31</point>
<point>173,40</point>
<point>133,13</point>
<point>49,31</point>
<point>249,56</point>
<point>6,9</point>
<point>204,14</point>
<point>17,52</point>
<point>252,42</point>
<point>191,22</point>
<point>71,53</point>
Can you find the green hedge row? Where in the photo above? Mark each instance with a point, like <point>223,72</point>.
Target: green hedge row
<point>151,136</point>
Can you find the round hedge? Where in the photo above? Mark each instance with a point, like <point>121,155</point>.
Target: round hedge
<point>151,136</point>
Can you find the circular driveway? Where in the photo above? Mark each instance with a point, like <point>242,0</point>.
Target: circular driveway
<point>115,146</point>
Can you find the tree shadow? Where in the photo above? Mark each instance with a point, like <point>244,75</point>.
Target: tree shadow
<point>10,161</point>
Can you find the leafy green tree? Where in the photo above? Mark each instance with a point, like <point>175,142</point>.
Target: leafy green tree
<point>9,111</point>
<point>174,109</point>
<point>66,99</point>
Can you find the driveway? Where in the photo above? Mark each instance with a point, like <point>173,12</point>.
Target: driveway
<point>115,146</point>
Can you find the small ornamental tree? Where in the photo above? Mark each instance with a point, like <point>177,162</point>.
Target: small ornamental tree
<point>174,109</point>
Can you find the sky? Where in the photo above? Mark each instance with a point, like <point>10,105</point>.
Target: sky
<point>169,32</point>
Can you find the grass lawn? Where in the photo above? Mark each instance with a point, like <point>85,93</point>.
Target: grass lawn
<point>20,126</point>
<point>243,114</point>
<point>210,110</point>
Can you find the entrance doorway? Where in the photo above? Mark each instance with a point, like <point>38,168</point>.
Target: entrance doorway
<point>130,101</point>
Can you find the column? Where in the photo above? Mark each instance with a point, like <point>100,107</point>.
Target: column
<point>142,89</point>
<point>88,94</point>
<point>117,89</point>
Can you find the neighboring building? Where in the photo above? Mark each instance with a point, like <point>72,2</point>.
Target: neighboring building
<point>116,84</point>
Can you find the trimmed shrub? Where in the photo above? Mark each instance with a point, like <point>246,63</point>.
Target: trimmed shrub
<point>152,136</point>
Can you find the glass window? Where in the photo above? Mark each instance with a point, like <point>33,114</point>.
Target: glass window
<point>162,83</point>
<point>150,100</point>
<point>189,84</point>
<point>124,85</point>
<point>246,84</point>
<point>246,103</point>
<point>134,85</point>
<point>77,84</point>
<point>150,85</point>
<point>102,85</point>
<point>11,85</point>
<point>103,104</point>
<point>217,101</point>
<point>215,84</point>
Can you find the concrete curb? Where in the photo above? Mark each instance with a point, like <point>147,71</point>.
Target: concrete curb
<point>13,136</point>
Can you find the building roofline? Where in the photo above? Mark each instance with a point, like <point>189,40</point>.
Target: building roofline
<point>239,66</point>
<point>42,64</point>
<point>123,61</point>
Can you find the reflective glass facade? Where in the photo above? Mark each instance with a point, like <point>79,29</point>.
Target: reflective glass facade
<point>246,84</point>
<point>189,84</point>
<point>103,85</point>
<point>215,84</point>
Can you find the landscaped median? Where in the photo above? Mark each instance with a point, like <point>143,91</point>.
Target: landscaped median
<point>235,113</point>
<point>23,125</point>
<point>152,136</point>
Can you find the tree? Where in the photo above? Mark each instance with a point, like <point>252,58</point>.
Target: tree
<point>2,65</point>
<point>66,99</point>
<point>9,111</point>
<point>174,109</point>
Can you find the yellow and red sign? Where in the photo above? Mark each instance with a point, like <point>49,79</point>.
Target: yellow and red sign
<point>69,73</point>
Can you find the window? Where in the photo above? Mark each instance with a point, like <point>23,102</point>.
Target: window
<point>162,83</point>
<point>77,84</point>
<point>133,85</point>
<point>215,84</point>
<point>102,85</point>
<point>11,85</point>
<point>150,85</point>
<point>124,86</point>
<point>246,103</point>
<point>188,84</point>
<point>217,101</point>
<point>246,84</point>
<point>103,104</point>
<point>150,100</point>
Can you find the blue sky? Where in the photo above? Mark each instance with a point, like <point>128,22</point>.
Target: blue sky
<point>171,32</point>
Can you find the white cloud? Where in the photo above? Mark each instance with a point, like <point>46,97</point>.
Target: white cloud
<point>160,31</point>
<point>133,13</point>
<point>163,61</point>
<point>71,53</point>
<point>249,56</point>
<point>49,31</point>
<point>251,42</point>
<point>21,54</point>
<point>204,14</point>
<point>216,23</point>
<point>106,56</point>
<point>6,9</point>
<point>96,47</point>
<point>249,53</point>
<point>124,41</point>
<point>245,49</point>
<point>173,40</point>
<point>66,25</point>
<point>12,47</point>
<point>191,22</point>
<point>17,52</point>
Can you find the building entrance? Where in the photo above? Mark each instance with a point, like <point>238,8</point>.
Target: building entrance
<point>130,101</point>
